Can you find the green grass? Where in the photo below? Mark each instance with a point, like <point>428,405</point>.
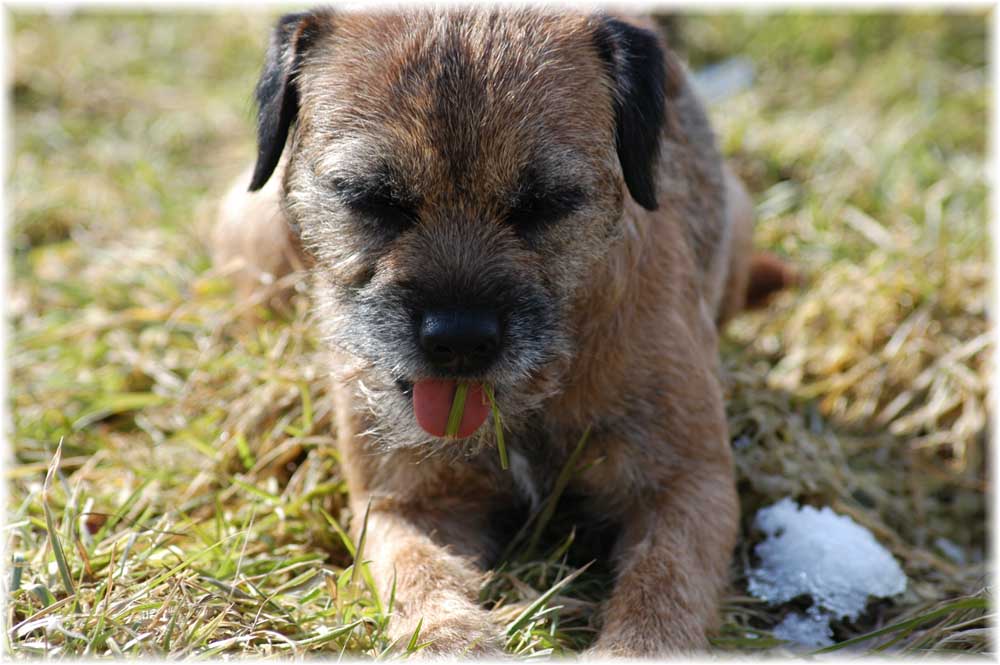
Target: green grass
<point>196,507</point>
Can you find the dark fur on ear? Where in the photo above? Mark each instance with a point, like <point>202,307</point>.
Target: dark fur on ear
<point>636,64</point>
<point>277,93</point>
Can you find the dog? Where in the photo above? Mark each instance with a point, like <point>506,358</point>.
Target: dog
<point>529,201</point>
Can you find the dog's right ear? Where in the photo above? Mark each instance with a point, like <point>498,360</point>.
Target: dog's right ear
<point>277,90</point>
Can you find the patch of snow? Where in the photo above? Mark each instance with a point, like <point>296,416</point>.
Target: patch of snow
<point>811,629</point>
<point>823,555</point>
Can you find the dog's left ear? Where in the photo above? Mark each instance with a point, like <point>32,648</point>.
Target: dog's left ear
<point>639,74</point>
<point>277,90</point>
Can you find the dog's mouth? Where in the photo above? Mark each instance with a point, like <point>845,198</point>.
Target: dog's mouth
<point>434,400</point>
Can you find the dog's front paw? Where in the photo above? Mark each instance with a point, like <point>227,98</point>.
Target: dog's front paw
<point>679,639</point>
<point>468,634</point>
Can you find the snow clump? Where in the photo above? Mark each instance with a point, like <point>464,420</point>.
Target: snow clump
<point>826,556</point>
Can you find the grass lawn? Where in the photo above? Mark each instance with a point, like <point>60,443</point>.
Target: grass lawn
<point>196,507</point>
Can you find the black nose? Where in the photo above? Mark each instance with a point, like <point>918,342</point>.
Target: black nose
<point>460,340</point>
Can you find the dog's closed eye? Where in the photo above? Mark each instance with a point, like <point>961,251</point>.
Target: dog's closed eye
<point>387,211</point>
<point>378,201</point>
<point>537,204</point>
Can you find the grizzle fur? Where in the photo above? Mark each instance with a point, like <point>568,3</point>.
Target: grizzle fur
<point>556,168</point>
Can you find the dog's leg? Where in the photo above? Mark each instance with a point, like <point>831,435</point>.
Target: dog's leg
<point>739,209</point>
<point>673,553</point>
<point>673,562</point>
<point>752,277</point>
<point>436,583</point>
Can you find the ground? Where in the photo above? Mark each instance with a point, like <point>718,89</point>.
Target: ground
<point>195,506</point>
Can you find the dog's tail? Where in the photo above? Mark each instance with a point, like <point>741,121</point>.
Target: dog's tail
<point>768,275</point>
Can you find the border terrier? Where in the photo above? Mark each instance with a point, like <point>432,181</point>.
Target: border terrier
<point>533,201</point>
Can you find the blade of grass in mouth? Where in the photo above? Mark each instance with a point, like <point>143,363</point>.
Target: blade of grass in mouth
<point>498,426</point>
<point>457,409</point>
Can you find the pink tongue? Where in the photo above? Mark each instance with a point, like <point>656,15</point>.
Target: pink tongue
<point>432,403</point>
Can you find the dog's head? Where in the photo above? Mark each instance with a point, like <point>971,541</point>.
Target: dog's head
<point>457,177</point>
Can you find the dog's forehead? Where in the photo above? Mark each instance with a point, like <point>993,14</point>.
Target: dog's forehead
<point>463,95</point>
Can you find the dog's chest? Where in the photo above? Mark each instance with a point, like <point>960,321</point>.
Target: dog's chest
<point>534,465</point>
<point>534,473</point>
<point>527,484</point>
<point>600,481</point>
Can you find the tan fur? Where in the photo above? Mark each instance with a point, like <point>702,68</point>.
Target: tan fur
<point>640,369</point>
<point>252,243</point>
<point>740,211</point>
